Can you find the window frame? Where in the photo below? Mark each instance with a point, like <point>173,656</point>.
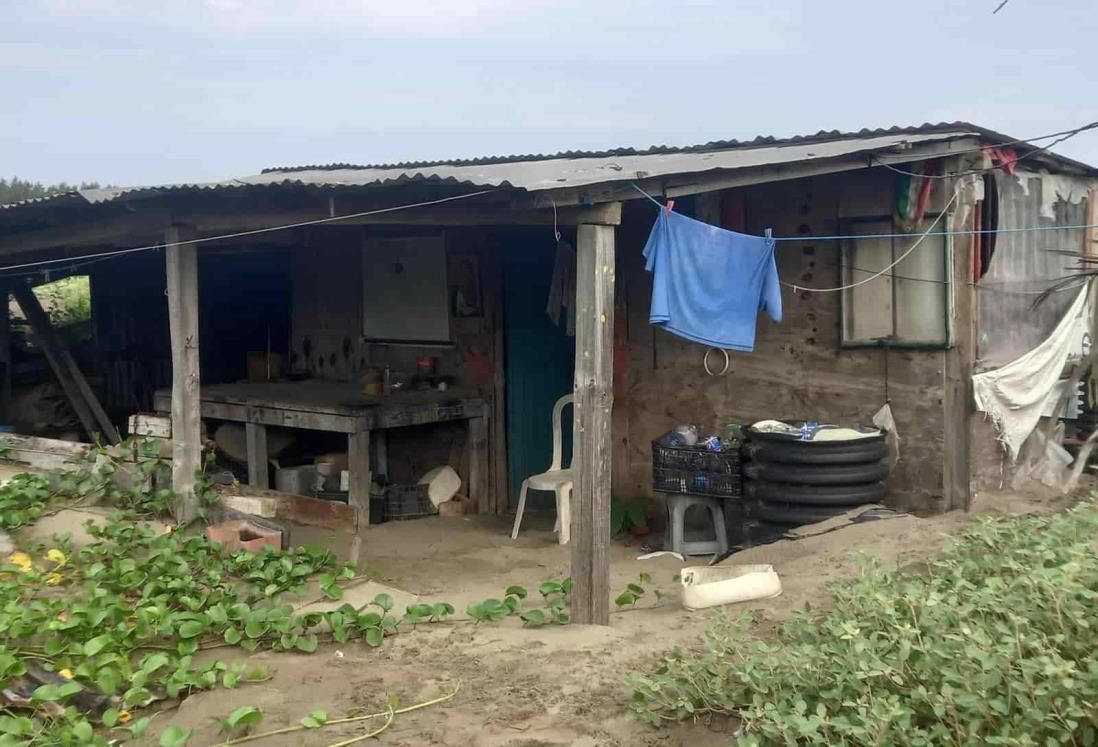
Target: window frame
<point>845,245</point>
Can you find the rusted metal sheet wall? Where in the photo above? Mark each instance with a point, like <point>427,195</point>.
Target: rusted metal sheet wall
<point>1026,263</point>
<point>797,369</point>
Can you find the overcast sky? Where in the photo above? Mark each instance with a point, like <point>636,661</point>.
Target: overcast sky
<point>148,91</point>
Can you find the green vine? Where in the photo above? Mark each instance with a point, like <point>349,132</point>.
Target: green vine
<point>123,619</point>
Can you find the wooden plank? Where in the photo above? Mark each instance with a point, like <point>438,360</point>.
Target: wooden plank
<point>5,355</point>
<point>58,358</point>
<point>498,488</point>
<point>150,425</point>
<point>358,497</point>
<point>255,436</point>
<point>43,453</point>
<point>604,214</point>
<point>959,358</point>
<point>477,446</point>
<point>182,276</point>
<point>594,402</point>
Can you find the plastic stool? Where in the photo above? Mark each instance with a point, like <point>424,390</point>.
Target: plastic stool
<point>677,506</point>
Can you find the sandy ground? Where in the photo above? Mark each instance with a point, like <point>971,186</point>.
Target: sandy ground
<point>523,687</point>
<point>526,687</point>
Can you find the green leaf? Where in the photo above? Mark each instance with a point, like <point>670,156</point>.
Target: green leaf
<point>307,643</point>
<point>108,680</point>
<point>315,720</point>
<point>110,717</point>
<point>333,591</point>
<point>242,717</point>
<point>384,601</point>
<point>97,644</point>
<point>82,730</point>
<point>515,591</point>
<point>255,629</point>
<point>140,727</point>
<point>232,636</point>
<point>550,587</point>
<point>174,736</point>
<point>625,598</point>
<point>53,693</point>
<point>533,617</point>
<point>373,637</point>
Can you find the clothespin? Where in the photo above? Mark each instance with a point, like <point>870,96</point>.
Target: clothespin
<point>670,205</point>
<point>769,233</point>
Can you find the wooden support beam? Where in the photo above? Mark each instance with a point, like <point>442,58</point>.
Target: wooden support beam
<point>594,402</point>
<point>958,406</point>
<point>255,436</point>
<point>88,408</point>
<point>478,464</point>
<point>137,228</point>
<point>182,275</point>
<point>358,462</point>
<point>5,354</point>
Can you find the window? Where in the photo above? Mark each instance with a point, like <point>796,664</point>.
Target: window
<point>908,305</point>
<point>404,290</point>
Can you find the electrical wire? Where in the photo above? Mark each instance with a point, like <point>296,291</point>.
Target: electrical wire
<point>204,239</point>
<point>1024,140</point>
<point>902,257</point>
<point>854,237</point>
<point>1067,135</point>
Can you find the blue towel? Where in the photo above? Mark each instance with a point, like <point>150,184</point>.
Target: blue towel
<point>709,284</point>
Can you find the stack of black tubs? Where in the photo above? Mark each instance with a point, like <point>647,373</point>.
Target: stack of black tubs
<point>790,482</point>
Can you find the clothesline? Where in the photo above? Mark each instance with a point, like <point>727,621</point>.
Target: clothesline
<point>842,237</point>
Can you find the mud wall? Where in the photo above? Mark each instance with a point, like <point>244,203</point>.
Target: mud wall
<point>797,369</point>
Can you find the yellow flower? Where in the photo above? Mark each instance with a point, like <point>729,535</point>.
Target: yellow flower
<point>124,717</point>
<point>167,529</point>
<point>56,556</point>
<point>22,561</point>
<point>54,579</point>
<point>66,673</point>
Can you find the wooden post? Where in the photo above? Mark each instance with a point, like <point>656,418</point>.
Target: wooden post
<point>958,404</point>
<point>256,438</point>
<point>358,462</point>
<point>5,355</point>
<point>477,446</point>
<point>594,402</point>
<point>182,276</point>
<point>91,413</point>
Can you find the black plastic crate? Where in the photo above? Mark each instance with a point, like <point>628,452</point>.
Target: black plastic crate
<point>696,470</point>
<point>407,502</point>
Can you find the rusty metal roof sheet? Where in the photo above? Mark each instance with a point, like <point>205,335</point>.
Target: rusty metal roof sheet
<point>535,173</point>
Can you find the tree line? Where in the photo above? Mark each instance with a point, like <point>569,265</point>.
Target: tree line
<point>16,189</point>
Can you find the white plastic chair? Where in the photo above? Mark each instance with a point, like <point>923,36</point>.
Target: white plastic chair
<point>555,479</point>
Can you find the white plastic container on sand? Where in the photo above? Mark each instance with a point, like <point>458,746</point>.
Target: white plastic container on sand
<point>442,484</point>
<point>710,586</point>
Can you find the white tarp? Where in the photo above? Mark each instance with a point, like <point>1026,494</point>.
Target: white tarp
<point>1014,396</point>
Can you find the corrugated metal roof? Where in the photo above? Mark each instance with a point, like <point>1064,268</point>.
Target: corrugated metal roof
<point>535,173</point>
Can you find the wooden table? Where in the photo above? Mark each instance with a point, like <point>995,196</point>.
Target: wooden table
<point>341,408</point>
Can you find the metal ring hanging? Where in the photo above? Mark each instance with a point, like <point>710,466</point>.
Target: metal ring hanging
<point>727,362</point>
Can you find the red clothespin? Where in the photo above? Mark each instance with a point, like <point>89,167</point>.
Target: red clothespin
<point>670,205</point>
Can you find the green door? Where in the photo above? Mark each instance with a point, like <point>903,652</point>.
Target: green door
<point>540,360</point>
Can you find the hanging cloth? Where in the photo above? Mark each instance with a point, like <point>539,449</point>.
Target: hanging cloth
<point>562,287</point>
<point>709,284</point>
<point>1016,395</point>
